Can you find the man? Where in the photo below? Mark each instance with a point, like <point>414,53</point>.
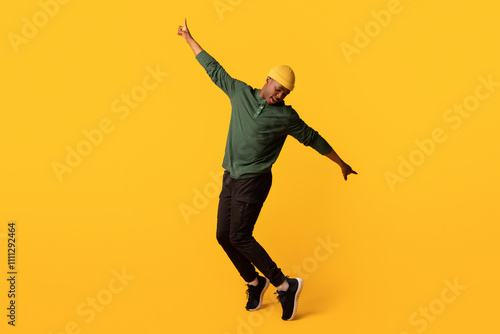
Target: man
<point>260,123</point>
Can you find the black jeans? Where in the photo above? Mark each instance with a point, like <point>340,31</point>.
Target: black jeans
<point>240,202</point>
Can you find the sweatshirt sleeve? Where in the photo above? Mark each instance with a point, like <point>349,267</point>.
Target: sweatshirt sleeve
<point>218,75</point>
<point>306,135</point>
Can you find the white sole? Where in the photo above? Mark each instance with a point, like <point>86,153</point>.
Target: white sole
<point>296,301</point>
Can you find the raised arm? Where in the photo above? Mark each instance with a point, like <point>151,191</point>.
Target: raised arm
<point>214,70</point>
<point>186,35</point>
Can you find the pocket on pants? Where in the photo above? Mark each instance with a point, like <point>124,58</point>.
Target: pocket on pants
<point>246,215</point>
<point>253,190</point>
<point>226,179</point>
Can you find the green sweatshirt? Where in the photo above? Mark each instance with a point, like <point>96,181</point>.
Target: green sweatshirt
<point>257,130</point>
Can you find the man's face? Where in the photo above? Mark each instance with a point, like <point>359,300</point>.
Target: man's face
<point>273,92</point>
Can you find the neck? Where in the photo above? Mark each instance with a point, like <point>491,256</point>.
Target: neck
<point>261,93</point>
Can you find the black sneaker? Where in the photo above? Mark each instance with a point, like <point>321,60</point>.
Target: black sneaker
<point>255,294</point>
<point>289,299</point>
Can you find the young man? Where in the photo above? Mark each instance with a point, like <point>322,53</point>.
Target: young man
<point>260,123</point>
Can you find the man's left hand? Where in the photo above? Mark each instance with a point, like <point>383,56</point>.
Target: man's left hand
<point>346,170</point>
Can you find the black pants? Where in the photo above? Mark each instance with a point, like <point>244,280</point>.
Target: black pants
<point>240,203</point>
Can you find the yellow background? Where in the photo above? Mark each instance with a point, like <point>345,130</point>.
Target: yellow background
<point>120,209</point>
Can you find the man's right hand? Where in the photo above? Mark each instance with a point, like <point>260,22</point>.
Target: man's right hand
<point>186,35</point>
<point>184,31</point>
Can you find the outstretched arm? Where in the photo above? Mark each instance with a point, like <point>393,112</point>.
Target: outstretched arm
<point>309,137</point>
<point>214,70</point>
<point>184,32</point>
<point>346,169</point>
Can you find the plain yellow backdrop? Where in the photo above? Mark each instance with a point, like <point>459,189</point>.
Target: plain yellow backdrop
<point>119,236</point>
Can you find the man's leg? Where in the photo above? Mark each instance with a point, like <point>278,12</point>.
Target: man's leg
<point>239,207</point>
<point>242,264</point>
<point>248,196</point>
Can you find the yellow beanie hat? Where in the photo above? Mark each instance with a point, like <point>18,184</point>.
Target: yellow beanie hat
<point>284,75</point>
